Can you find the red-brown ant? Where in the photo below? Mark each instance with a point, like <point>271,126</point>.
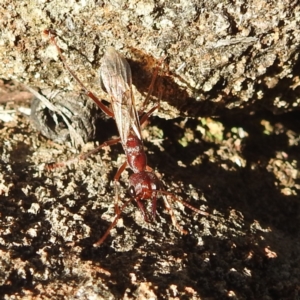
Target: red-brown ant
<point>115,76</point>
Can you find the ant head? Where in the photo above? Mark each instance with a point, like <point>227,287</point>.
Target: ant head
<point>143,185</point>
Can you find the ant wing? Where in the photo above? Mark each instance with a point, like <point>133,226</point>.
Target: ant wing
<point>115,74</point>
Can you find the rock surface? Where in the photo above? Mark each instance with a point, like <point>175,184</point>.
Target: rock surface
<point>242,168</point>
<point>221,57</point>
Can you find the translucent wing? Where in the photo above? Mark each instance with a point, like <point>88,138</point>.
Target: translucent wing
<point>115,74</point>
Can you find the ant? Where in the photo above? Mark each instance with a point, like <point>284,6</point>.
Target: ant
<point>115,77</point>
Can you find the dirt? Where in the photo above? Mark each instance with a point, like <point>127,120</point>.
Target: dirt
<point>225,140</point>
<point>242,170</point>
<point>220,56</point>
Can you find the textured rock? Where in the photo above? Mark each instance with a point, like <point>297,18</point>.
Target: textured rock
<point>243,170</point>
<point>220,55</point>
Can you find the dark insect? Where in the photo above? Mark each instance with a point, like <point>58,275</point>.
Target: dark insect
<point>115,75</point>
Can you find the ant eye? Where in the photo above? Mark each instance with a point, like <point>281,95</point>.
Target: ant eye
<point>132,192</point>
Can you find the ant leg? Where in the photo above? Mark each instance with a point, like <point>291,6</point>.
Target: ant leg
<point>103,107</point>
<point>112,225</point>
<point>148,114</point>
<point>107,143</point>
<point>151,87</point>
<point>116,181</point>
<point>154,205</point>
<point>186,204</point>
<point>83,156</point>
<point>118,210</point>
<point>174,220</point>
